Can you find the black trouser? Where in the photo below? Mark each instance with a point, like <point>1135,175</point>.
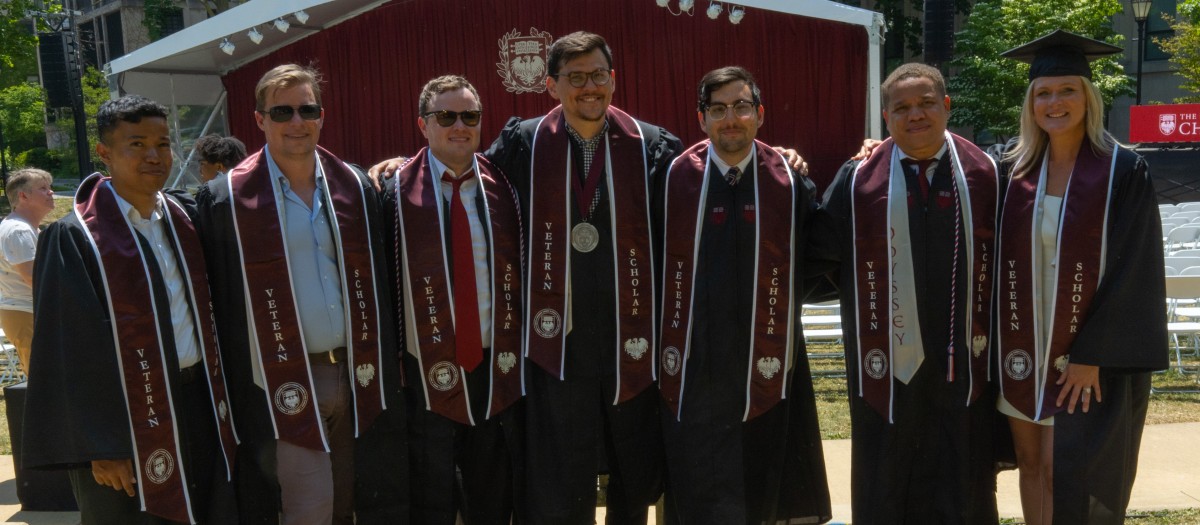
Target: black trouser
<point>572,427</point>
<point>212,497</point>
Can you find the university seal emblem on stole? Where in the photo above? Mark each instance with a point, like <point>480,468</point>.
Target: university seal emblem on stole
<point>291,398</point>
<point>636,347</point>
<point>506,361</point>
<point>443,376</point>
<point>978,345</point>
<point>548,323</point>
<point>160,466</point>
<point>670,360</point>
<point>522,62</point>
<point>364,373</point>
<point>1018,365</point>
<point>875,364</point>
<point>768,367</point>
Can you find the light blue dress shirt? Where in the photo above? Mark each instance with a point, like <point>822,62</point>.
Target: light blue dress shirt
<point>313,261</point>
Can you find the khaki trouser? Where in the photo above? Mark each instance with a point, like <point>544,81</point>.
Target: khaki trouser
<point>18,327</point>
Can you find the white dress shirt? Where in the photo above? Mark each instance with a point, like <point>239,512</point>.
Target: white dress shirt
<point>187,346</point>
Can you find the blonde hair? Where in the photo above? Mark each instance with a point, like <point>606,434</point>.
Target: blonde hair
<point>21,180</point>
<point>283,77</point>
<point>1033,141</point>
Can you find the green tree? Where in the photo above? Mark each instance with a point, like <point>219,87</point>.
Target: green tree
<point>987,89</point>
<point>1184,47</point>
<point>18,45</point>
<point>21,116</point>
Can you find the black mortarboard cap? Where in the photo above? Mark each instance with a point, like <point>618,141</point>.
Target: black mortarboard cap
<point>1061,54</point>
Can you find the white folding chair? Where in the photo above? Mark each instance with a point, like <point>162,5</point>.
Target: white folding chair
<point>1179,263</point>
<point>1189,215</point>
<point>1171,271</point>
<point>823,323</point>
<point>1188,206</point>
<point>1182,321</point>
<point>1168,207</point>
<point>1190,252</point>
<point>1182,237</point>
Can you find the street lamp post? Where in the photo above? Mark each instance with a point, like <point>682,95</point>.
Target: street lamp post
<point>1141,11</point>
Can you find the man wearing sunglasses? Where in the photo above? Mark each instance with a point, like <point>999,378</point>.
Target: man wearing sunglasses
<point>456,224</point>
<point>297,255</point>
<point>740,412</point>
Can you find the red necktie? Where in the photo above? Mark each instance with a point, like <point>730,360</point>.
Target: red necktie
<point>922,167</point>
<point>467,340</point>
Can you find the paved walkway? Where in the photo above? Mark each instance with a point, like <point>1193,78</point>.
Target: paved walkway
<point>1168,478</point>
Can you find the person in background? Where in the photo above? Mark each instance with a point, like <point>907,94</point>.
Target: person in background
<point>31,199</point>
<point>218,155</point>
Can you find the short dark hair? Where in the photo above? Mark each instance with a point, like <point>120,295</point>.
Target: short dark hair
<point>129,108</point>
<point>441,85</point>
<point>573,45</point>
<point>913,70</point>
<point>715,79</point>
<point>226,150</point>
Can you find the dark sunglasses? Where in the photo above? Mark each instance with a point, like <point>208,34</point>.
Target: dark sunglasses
<point>446,118</point>
<point>284,113</point>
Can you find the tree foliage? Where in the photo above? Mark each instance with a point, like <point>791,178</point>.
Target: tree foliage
<point>1184,47</point>
<point>21,116</point>
<point>18,45</point>
<point>155,16</point>
<point>987,90</point>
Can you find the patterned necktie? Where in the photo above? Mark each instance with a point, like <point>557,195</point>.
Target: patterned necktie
<point>468,345</point>
<point>733,176</point>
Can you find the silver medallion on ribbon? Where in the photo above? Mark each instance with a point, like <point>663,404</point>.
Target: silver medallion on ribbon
<point>585,237</point>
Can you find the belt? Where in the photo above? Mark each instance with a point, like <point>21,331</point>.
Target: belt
<point>190,374</point>
<point>332,357</point>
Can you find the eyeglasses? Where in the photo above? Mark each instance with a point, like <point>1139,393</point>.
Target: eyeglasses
<point>579,79</point>
<point>447,118</point>
<point>284,113</point>
<point>741,108</point>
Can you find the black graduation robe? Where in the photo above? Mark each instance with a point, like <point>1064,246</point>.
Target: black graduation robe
<point>75,404</point>
<point>381,455</point>
<point>572,428</point>
<point>935,464</point>
<point>721,469</point>
<point>1124,333</point>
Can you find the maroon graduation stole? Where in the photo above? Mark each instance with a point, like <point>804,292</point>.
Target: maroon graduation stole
<point>772,334</point>
<point>271,305</point>
<point>550,248</point>
<point>161,480</point>
<point>976,184</point>
<point>1025,359</point>
<point>427,294</point>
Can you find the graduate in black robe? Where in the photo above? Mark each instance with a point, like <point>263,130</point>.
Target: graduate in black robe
<point>77,412</point>
<point>1106,331</point>
<point>734,455</point>
<point>381,459</point>
<point>573,428</point>
<point>933,462</point>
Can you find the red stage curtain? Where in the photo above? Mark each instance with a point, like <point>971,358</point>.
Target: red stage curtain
<point>813,73</point>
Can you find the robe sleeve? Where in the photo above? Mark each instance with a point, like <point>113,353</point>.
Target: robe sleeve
<point>1126,323</point>
<point>75,411</point>
<point>827,236</point>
